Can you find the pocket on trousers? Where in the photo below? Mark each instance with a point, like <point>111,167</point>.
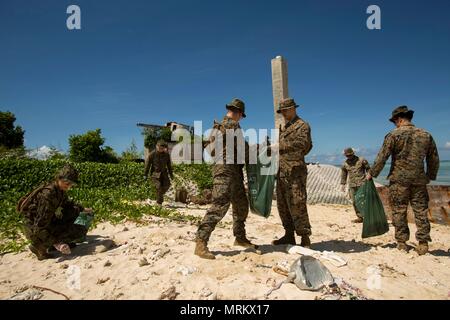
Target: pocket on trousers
<point>298,194</point>
<point>220,191</point>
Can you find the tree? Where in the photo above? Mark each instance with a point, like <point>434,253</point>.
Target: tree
<point>88,147</point>
<point>109,155</point>
<point>55,154</point>
<point>153,135</point>
<point>131,153</point>
<point>11,137</point>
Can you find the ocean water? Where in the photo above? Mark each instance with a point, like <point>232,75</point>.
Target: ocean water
<point>443,177</point>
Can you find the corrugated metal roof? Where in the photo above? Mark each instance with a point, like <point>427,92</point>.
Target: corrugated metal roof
<point>323,185</point>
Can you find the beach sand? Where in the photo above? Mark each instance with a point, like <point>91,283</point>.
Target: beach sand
<point>170,266</point>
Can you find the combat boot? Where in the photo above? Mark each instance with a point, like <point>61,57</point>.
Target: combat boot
<point>402,246</point>
<point>288,238</point>
<point>306,242</point>
<point>201,250</point>
<point>40,253</point>
<point>422,248</point>
<point>244,242</point>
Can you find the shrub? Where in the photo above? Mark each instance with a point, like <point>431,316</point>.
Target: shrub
<point>151,136</point>
<point>89,147</point>
<point>131,153</point>
<point>11,136</point>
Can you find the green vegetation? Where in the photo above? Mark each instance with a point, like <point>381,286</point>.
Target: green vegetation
<point>199,173</point>
<point>11,136</point>
<point>131,153</point>
<point>151,136</point>
<point>89,147</point>
<point>112,190</point>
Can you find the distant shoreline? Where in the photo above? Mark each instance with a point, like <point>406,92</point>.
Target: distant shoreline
<point>443,178</point>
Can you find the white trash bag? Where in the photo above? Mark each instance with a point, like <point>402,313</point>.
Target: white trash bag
<point>308,273</point>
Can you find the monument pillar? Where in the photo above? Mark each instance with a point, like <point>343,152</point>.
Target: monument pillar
<point>279,87</point>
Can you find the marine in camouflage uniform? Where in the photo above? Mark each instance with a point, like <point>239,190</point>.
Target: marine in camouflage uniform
<point>294,144</point>
<point>228,183</point>
<point>354,169</point>
<point>159,164</point>
<point>408,147</point>
<point>50,215</point>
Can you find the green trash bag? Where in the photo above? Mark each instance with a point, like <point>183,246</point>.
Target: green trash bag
<point>260,188</point>
<point>84,219</point>
<point>369,204</point>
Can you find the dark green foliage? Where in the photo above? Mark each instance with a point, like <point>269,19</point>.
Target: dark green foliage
<point>57,155</point>
<point>153,135</point>
<point>199,173</point>
<point>16,153</point>
<point>89,147</point>
<point>11,136</point>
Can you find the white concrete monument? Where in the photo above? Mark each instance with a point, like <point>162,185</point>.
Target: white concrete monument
<point>279,86</point>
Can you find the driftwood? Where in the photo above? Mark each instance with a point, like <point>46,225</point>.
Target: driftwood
<point>51,290</point>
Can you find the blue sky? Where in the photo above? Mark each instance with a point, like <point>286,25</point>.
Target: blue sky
<point>158,61</point>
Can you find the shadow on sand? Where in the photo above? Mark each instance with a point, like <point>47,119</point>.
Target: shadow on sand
<point>341,246</point>
<point>330,245</point>
<point>93,244</point>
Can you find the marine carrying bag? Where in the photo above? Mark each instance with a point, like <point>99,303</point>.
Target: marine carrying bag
<point>369,204</point>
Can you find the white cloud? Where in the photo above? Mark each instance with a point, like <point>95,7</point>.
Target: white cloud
<point>42,153</point>
<point>338,157</point>
<point>447,145</point>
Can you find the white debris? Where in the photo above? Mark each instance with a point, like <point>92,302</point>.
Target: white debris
<point>28,294</point>
<point>186,270</point>
<point>335,259</point>
<point>205,292</point>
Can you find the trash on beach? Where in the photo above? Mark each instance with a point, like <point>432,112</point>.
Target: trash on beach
<point>186,270</point>
<point>308,273</point>
<point>28,294</point>
<point>175,205</point>
<point>335,259</point>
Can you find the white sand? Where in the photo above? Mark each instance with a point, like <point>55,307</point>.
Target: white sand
<point>167,246</point>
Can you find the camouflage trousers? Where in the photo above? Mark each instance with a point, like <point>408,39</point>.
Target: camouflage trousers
<point>228,188</point>
<point>53,234</point>
<point>291,204</point>
<point>416,195</point>
<point>162,184</point>
<point>353,191</point>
